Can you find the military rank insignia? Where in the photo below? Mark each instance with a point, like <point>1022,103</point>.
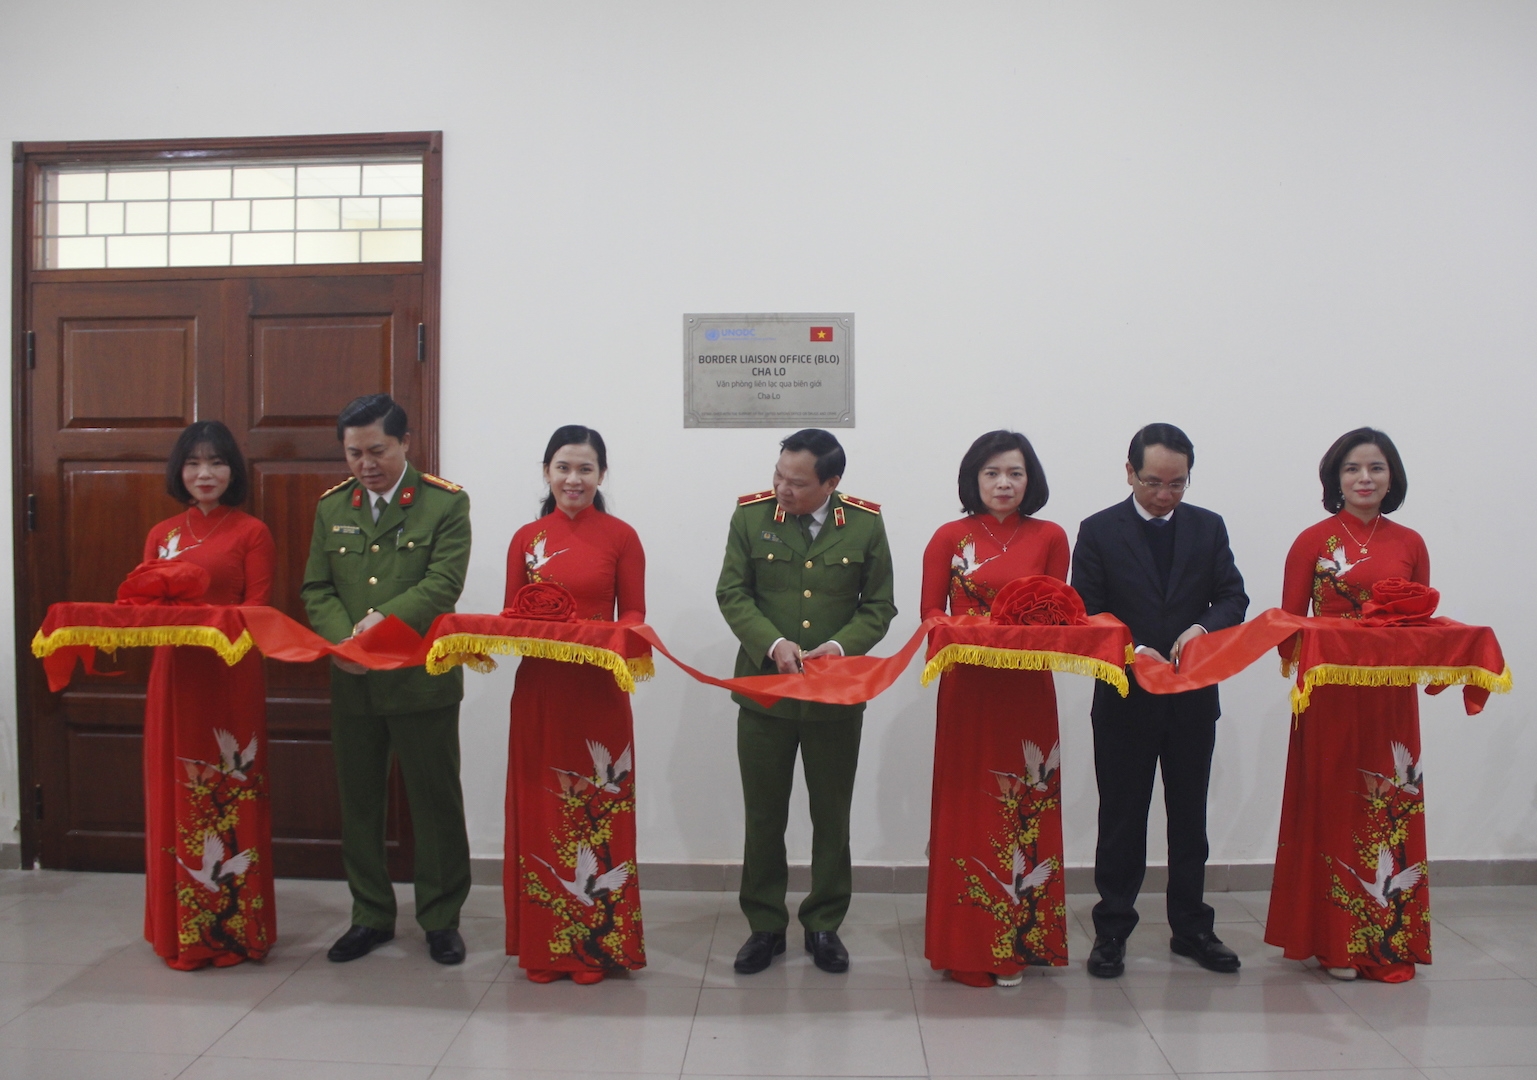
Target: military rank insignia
<point>779,514</point>
<point>407,496</point>
<point>357,498</point>
<point>838,516</point>
<point>439,482</point>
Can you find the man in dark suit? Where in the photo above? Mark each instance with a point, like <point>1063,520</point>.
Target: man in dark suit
<point>1165,569</point>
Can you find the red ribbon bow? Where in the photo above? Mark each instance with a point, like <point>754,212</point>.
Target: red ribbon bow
<point>1400,602</point>
<point>164,581</point>
<point>541,600</point>
<point>1038,601</point>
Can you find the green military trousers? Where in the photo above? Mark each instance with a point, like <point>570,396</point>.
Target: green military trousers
<point>427,746</point>
<point>829,749</point>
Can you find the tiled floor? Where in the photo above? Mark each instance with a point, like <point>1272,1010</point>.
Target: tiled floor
<point>81,996</point>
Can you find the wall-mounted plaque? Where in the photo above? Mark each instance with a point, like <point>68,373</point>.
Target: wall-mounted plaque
<point>769,371</point>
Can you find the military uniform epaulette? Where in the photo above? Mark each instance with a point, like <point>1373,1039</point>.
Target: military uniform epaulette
<point>439,482</point>
<point>755,497</point>
<point>338,487</point>
<point>863,504</point>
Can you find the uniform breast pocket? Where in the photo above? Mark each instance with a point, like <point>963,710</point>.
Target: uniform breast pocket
<point>771,567</point>
<point>344,551</point>
<point>412,554</point>
<point>844,571</point>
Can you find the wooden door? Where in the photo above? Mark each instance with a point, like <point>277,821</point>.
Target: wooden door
<point>120,367</point>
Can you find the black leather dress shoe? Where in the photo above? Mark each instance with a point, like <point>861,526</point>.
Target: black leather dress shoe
<point>827,952</point>
<point>357,941</point>
<point>445,946</point>
<point>758,951</point>
<point>1207,950</point>
<point>1107,960</point>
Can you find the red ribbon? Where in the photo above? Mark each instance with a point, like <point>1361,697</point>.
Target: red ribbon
<point>1440,643</point>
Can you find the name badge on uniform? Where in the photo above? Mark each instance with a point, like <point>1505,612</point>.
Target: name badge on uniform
<point>345,529</point>
<point>772,538</point>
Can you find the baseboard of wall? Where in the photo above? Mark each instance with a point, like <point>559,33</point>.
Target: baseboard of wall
<point>1220,877</point>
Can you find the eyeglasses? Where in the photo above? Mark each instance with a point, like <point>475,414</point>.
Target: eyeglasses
<point>1174,487</point>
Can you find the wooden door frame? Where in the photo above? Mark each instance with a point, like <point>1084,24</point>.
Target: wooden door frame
<point>27,161</point>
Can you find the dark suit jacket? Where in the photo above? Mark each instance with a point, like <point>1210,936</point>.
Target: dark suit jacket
<point>1114,572</point>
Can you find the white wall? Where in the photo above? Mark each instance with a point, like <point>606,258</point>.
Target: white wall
<point>1267,223</point>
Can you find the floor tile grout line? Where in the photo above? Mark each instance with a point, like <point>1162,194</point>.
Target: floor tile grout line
<point>449,1045</point>
<point>1126,995</point>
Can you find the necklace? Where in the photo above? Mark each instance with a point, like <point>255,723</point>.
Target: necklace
<point>196,539</point>
<point>1362,544</point>
<point>1004,544</point>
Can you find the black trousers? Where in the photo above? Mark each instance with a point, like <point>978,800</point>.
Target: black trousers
<point>1129,744</point>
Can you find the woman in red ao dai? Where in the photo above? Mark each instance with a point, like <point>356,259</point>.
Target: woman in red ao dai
<point>995,896</point>
<point>569,878</point>
<point>1350,874</point>
<point>207,819</point>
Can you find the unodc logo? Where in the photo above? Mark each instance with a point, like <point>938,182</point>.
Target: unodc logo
<point>711,334</point>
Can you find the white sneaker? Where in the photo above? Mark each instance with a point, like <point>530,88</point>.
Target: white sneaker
<point>1009,980</point>
<point>1345,974</point>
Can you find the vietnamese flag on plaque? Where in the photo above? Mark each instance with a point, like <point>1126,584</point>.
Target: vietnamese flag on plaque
<point>821,333</point>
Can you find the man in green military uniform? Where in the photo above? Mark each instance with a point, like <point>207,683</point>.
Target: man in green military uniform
<point>392,541</point>
<point>807,573</point>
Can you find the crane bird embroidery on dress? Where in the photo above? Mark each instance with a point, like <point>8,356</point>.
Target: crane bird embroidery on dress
<point>172,546</point>
<point>217,871</point>
<point>1039,770</point>
<point>1022,882</point>
<point>1407,773</point>
<point>234,760</point>
<point>608,773</point>
<point>1387,885</point>
<point>535,556</point>
<point>966,561</point>
<point>1338,565</point>
<point>589,885</point>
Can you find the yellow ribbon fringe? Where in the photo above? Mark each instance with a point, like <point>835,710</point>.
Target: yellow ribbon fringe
<point>1344,675</point>
<point>111,638</point>
<point>1024,660</point>
<point>475,651</point>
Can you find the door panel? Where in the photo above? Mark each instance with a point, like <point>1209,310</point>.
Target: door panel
<point>128,372</point>
<point>355,352</point>
<point>121,368</point>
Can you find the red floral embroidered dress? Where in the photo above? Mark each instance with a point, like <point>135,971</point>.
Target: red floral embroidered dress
<point>996,900</point>
<point>207,819</point>
<point>569,879</point>
<point>1350,885</point>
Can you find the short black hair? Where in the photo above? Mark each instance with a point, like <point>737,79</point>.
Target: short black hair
<point>575,435</point>
<point>1334,460</point>
<point>221,441</point>
<point>370,409</point>
<point>831,460</point>
<point>989,446</point>
<point>1166,435</point>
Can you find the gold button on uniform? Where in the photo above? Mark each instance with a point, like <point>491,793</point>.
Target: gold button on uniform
<point>412,543</point>
<point>341,550</point>
<point>370,611</point>
<point>770,555</point>
<point>807,594</point>
<point>374,548</point>
<point>373,581</point>
<point>805,624</point>
<point>808,564</point>
<point>845,560</point>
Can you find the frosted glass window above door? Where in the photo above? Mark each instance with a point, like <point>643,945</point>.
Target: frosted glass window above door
<point>231,213</point>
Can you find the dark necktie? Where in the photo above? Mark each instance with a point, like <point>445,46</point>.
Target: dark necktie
<point>806,520</point>
<point>1158,523</point>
